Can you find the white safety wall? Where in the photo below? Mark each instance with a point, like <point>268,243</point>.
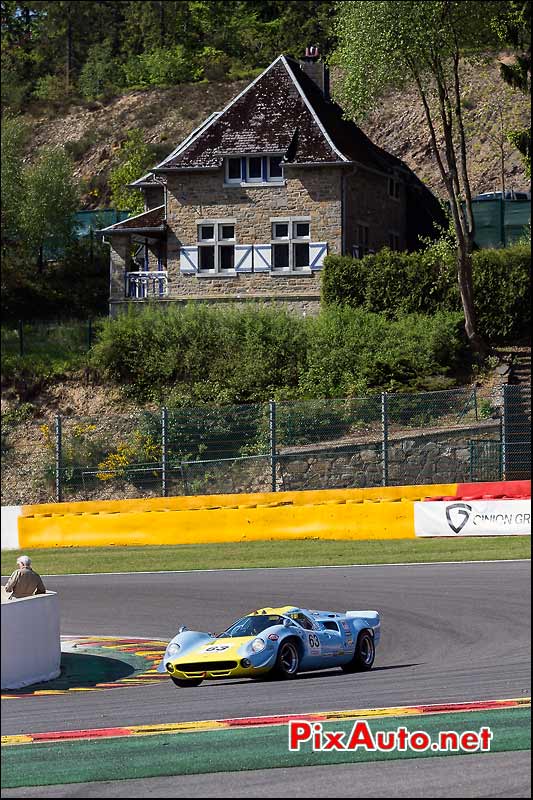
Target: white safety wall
<point>10,527</point>
<point>31,643</point>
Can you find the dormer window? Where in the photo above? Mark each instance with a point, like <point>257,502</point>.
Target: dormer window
<point>233,170</point>
<point>254,169</point>
<point>243,170</point>
<point>275,170</point>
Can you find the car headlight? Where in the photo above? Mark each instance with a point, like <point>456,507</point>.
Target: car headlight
<point>258,645</point>
<point>172,649</point>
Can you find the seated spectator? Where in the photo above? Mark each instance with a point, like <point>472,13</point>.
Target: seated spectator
<point>24,582</point>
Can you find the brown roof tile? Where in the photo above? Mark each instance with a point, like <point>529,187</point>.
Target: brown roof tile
<point>154,218</point>
<point>263,119</point>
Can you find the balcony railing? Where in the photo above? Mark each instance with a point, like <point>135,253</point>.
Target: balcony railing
<point>140,285</point>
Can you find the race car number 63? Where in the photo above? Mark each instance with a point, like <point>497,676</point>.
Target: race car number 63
<point>314,641</point>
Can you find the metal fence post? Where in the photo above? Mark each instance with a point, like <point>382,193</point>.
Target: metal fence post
<point>385,437</point>
<point>21,337</point>
<point>58,459</point>
<point>272,427</point>
<point>501,450</point>
<point>504,430</point>
<point>474,392</point>
<point>164,445</point>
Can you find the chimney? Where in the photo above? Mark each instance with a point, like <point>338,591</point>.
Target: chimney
<point>315,69</point>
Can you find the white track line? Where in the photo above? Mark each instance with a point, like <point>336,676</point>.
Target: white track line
<point>318,566</point>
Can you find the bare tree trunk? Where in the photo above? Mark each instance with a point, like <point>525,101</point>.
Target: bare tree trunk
<point>463,231</point>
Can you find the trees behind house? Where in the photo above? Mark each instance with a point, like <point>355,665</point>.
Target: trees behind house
<point>38,199</point>
<point>135,158</point>
<point>385,45</point>
<point>46,46</point>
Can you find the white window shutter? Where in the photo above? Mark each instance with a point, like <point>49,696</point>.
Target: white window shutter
<point>189,260</point>
<point>262,257</point>
<point>317,253</point>
<point>244,257</point>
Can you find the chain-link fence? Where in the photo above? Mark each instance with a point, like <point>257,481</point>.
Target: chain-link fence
<point>387,439</point>
<point>516,455</point>
<point>52,339</point>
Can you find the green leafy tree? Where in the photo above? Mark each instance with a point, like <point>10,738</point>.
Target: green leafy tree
<point>51,196</point>
<point>134,159</point>
<point>101,75</point>
<point>14,134</point>
<point>389,44</point>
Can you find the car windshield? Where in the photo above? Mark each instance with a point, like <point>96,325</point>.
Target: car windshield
<point>252,626</point>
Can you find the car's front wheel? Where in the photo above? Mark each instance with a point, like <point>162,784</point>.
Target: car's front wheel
<point>185,683</point>
<point>365,652</point>
<point>287,662</point>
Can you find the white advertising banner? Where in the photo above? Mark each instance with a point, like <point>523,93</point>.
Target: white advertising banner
<point>473,518</point>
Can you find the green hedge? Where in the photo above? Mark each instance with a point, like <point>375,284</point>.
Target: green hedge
<point>241,355</point>
<point>404,283</point>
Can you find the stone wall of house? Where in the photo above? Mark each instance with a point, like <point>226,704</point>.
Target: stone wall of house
<point>316,193</point>
<point>302,306</point>
<point>368,202</point>
<point>191,197</point>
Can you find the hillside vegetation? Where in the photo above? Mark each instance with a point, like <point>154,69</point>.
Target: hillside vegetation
<point>93,132</point>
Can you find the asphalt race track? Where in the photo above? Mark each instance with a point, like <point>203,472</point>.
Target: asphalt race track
<point>450,633</point>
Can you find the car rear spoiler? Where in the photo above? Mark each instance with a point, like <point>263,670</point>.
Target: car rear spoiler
<point>372,618</point>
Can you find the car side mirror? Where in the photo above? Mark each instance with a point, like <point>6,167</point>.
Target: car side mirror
<point>287,623</point>
<point>182,628</point>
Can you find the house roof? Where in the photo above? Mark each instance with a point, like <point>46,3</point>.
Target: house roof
<point>283,112</point>
<point>149,221</point>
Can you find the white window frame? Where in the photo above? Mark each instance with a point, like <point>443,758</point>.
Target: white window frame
<point>249,179</point>
<point>270,180</point>
<point>227,179</point>
<point>291,239</point>
<point>217,241</point>
<point>274,178</point>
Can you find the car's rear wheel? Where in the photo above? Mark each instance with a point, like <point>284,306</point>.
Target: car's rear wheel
<point>186,682</point>
<point>365,653</point>
<point>287,662</point>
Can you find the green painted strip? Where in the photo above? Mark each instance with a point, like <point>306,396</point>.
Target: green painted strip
<point>232,750</point>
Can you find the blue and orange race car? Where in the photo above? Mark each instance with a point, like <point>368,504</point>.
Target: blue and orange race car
<point>279,642</point>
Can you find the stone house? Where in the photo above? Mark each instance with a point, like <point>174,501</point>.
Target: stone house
<point>249,204</point>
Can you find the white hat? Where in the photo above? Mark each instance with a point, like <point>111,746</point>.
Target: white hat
<point>24,560</point>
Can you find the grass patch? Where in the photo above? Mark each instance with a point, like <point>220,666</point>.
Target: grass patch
<point>310,552</point>
<point>49,763</point>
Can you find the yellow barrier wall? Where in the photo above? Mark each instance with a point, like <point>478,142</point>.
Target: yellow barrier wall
<point>378,513</point>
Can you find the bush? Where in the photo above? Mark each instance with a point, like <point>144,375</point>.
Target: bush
<point>502,291</point>
<point>399,284</point>
<point>200,354</point>
<point>352,352</point>
<point>161,67</point>
<point>226,355</point>
<point>50,88</point>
